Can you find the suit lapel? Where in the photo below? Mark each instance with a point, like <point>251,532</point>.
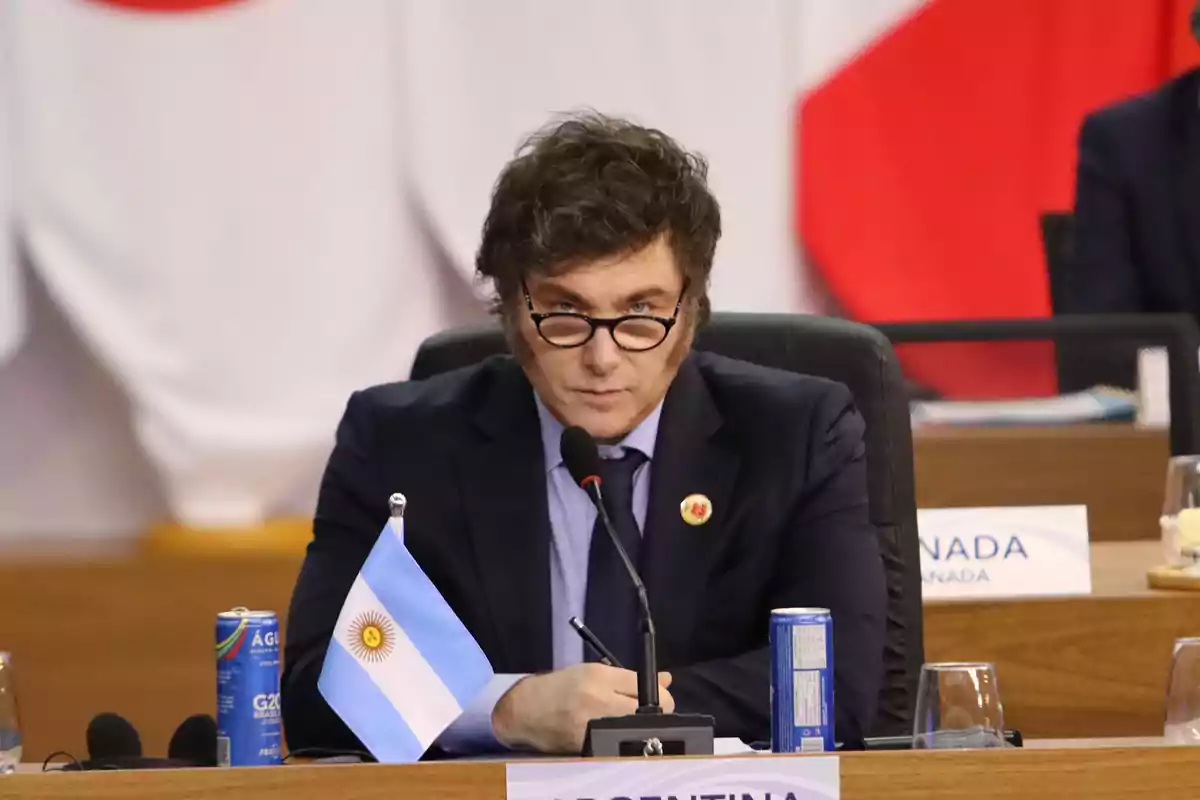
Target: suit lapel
<point>503,485</point>
<point>688,459</point>
<point>1186,170</point>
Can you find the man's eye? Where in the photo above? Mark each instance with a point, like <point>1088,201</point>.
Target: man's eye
<point>564,306</point>
<point>640,307</point>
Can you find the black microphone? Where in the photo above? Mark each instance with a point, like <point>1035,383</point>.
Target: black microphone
<point>110,736</point>
<point>195,741</point>
<point>113,743</point>
<point>582,460</point>
<point>649,731</point>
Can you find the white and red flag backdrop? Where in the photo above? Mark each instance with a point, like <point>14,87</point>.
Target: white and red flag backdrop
<point>249,208</point>
<point>926,158</point>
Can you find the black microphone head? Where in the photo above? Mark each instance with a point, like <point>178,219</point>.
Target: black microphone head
<point>111,736</point>
<point>195,740</point>
<point>580,455</point>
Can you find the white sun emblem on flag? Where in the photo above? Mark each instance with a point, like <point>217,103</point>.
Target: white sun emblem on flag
<point>372,636</point>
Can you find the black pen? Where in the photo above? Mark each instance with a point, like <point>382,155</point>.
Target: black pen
<point>585,633</point>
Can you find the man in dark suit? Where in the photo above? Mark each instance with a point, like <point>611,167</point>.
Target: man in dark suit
<point>599,243</point>
<point>1137,205</point>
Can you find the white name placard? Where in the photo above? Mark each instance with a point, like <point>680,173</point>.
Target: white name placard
<point>1004,552</point>
<point>747,778</point>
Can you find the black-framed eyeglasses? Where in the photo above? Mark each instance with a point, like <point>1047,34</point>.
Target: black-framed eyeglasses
<point>633,332</point>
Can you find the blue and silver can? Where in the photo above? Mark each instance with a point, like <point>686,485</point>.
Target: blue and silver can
<point>801,680</point>
<point>249,725</point>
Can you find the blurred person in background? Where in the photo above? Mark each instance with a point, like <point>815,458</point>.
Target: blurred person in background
<point>1137,204</point>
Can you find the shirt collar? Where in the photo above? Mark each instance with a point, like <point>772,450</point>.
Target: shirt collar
<point>642,438</point>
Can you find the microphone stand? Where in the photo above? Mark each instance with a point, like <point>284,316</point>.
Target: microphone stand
<point>648,731</point>
<point>647,673</point>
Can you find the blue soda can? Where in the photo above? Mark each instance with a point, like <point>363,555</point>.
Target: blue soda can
<point>249,725</point>
<point>801,680</point>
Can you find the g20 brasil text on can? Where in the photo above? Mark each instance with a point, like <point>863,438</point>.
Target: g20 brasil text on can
<point>249,724</point>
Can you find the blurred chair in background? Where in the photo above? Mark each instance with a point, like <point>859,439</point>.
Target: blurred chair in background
<point>1079,366</point>
<point>1058,244</point>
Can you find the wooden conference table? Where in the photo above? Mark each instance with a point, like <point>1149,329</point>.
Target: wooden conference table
<point>134,635</point>
<point>132,631</point>
<point>1097,771</point>
<point>1076,666</point>
<point>1116,470</point>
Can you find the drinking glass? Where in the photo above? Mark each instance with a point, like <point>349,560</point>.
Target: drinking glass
<point>10,729</point>
<point>958,707</point>
<point>1181,511</point>
<point>1182,725</point>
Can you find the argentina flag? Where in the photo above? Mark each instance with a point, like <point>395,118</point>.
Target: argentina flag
<point>401,666</point>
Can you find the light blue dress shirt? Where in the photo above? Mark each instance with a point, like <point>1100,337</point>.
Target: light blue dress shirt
<point>572,516</point>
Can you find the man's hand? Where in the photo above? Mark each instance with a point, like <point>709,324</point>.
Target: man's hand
<point>550,712</point>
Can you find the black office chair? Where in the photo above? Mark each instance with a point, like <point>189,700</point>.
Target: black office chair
<point>1058,247</point>
<point>1107,335</point>
<point>858,357</point>
<point>1080,363</point>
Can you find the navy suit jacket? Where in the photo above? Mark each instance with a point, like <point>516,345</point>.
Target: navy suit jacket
<point>779,455</point>
<point>1137,206</point>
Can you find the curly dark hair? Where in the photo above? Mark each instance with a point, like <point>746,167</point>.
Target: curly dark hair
<point>592,186</point>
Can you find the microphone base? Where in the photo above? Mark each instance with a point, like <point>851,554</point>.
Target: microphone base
<point>639,735</point>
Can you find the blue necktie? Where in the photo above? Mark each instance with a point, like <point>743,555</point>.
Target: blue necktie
<point>611,608</point>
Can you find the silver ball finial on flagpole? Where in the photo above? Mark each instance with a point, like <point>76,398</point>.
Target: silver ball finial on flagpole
<point>396,504</point>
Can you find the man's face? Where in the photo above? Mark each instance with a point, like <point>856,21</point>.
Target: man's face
<point>599,386</point>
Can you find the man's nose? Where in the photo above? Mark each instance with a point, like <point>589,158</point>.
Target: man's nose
<point>601,354</point>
